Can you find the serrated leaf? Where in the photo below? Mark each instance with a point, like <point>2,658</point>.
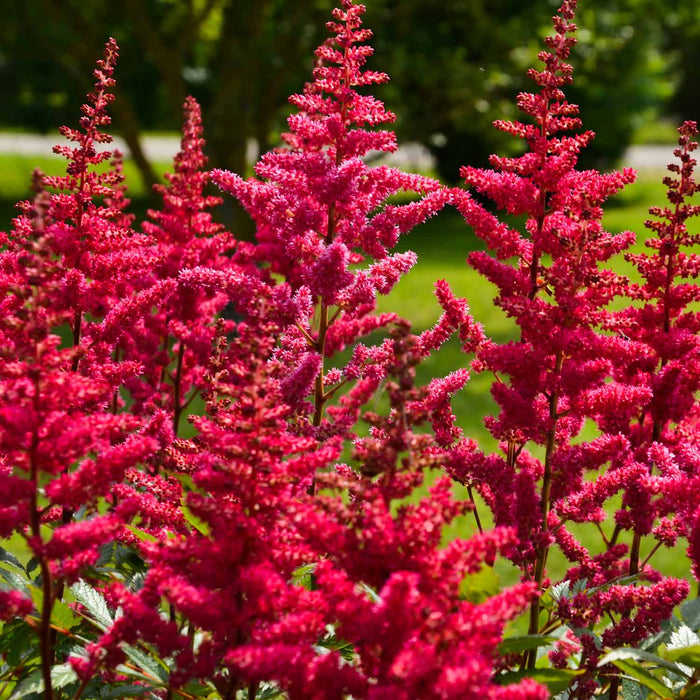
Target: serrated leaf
<point>11,559</point>
<point>690,612</point>
<point>153,669</point>
<point>17,639</point>
<point>123,691</point>
<point>135,581</point>
<point>344,648</point>
<point>16,580</point>
<point>580,586</point>
<point>645,677</point>
<point>33,683</point>
<point>303,576</point>
<point>631,690</point>
<point>525,642</point>
<point>94,603</point>
<point>557,680</point>
<point>689,656</point>
<point>478,587</point>
<point>560,591</point>
<point>638,655</point>
<point>682,637</point>
<point>63,675</point>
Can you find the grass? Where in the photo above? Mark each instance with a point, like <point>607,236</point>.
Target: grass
<point>442,245</point>
<point>16,173</point>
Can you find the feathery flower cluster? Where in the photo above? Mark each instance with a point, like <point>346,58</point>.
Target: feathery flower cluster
<point>575,359</point>
<point>321,210</point>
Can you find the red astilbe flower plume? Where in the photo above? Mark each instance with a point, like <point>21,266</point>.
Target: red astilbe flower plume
<point>233,575</point>
<point>283,584</point>
<point>62,448</point>
<point>552,281</point>
<point>666,326</point>
<point>321,210</point>
<point>383,570</point>
<point>558,367</point>
<point>174,344</point>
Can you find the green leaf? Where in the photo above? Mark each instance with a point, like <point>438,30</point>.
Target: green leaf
<point>200,690</point>
<point>17,640</point>
<point>63,616</point>
<point>644,677</point>
<point>683,637</point>
<point>345,649</point>
<point>63,675</point>
<point>638,655</point>
<point>143,536</point>
<point>270,693</point>
<point>557,680</point>
<point>690,612</point>
<point>94,603</point>
<point>478,587</point>
<point>10,559</point>
<point>560,591</point>
<point>197,523</point>
<point>692,693</point>
<point>32,564</point>
<point>17,581</point>
<point>631,690</point>
<point>374,596</point>
<point>122,691</point>
<point>153,669</point>
<point>525,642</point>
<point>33,683</point>
<point>689,656</point>
<point>303,576</point>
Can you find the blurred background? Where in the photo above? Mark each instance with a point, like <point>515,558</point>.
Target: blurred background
<point>455,66</point>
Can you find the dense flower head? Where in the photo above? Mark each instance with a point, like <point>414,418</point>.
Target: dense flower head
<point>665,326</point>
<point>321,212</point>
<point>185,237</point>
<point>552,282</point>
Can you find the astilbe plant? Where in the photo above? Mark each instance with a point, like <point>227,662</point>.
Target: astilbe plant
<point>257,456</point>
<point>67,257</point>
<point>664,434</point>
<point>174,345</point>
<point>557,373</point>
<point>321,211</point>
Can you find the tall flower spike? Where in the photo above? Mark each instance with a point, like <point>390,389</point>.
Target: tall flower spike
<point>181,332</point>
<point>666,326</point>
<point>552,282</point>
<point>321,210</point>
<point>64,449</point>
